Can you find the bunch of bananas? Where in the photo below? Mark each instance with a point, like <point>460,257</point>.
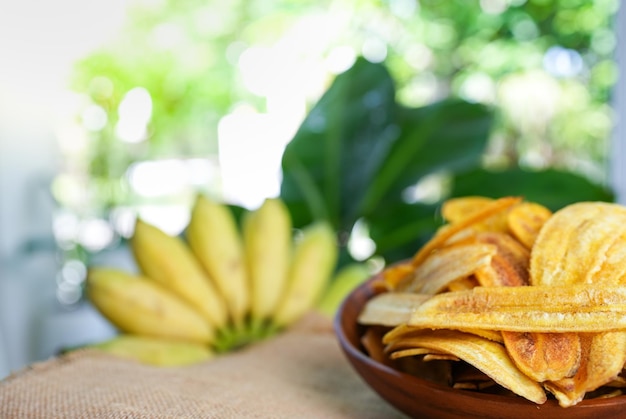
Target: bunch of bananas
<point>219,287</point>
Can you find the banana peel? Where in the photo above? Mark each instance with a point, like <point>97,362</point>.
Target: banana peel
<point>219,286</point>
<point>347,279</point>
<point>155,351</point>
<point>138,305</point>
<point>314,260</point>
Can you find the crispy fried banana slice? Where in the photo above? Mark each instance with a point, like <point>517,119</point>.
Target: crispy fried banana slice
<point>612,269</point>
<point>576,308</point>
<point>372,342</point>
<point>403,331</point>
<point>493,209</point>
<point>401,353</point>
<point>463,284</point>
<point>446,265</point>
<point>440,357</point>
<point>573,244</point>
<point>582,244</point>
<point>397,273</point>
<point>400,331</point>
<point>489,357</point>
<point>602,355</point>
<point>525,220</point>
<point>544,356</point>
<point>454,210</point>
<point>390,308</point>
<point>509,265</point>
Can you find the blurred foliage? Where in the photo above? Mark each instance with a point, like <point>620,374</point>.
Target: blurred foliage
<point>361,157</point>
<point>496,97</point>
<point>543,68</point>
<point>546,64</point>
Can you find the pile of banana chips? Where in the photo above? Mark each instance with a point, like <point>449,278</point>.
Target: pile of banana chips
<point>509,297</point>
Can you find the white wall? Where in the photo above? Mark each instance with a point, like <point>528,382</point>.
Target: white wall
<point>39,41</point>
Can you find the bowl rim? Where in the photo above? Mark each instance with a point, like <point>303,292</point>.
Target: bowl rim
<point>412,380</point>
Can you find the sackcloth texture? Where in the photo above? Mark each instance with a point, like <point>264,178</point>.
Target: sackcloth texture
<point>301,373</point>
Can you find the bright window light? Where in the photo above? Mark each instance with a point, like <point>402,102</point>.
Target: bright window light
<point>250,151</point>
<point>135,112</point>
<point>158,178</point>
<point>172,219</point>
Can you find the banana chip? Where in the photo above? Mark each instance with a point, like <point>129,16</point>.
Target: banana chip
<point>575,244</point>
<point>576,308</point>
<point>465,226</point>
<point>508,266</point>
<point>583,243</point>
<point>456,209</point>
<point>402,331</point>
<point>602,355</point>
<point>489,357</point>
<point>535,300</point>
<point>542,357</point>
<point>526,220</point>
<point>446,265</point>
<point>390,309</point>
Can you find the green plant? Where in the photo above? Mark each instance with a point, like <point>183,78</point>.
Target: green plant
<point>358,151</point>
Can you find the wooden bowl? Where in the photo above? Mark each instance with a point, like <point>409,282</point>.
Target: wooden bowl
<point>425,399</point>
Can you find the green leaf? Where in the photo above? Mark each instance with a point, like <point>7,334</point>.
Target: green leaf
<point>358,149</point>
<point>446,136</point>
<point>552,188</point>
<point>400,229</point>
<point>340,146</point>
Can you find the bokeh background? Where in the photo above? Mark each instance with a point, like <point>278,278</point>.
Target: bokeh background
<point>125,108</point>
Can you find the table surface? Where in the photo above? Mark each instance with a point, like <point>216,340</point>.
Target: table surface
<point>300,373</point>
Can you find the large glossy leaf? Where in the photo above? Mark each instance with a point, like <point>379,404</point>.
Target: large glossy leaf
<point>358,149</point>
<point>400,229</point>
<point>552,188</point>
<point>447,136</point>
<point>340,146</point>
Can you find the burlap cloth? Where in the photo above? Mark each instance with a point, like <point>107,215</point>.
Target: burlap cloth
<point>299,374</point>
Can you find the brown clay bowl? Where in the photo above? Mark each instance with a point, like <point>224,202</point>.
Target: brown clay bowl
<point>421,398</point>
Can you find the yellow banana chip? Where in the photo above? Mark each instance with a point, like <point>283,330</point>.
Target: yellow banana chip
<point>525,220</point>
<point>574,243</point>
<point>390,309</point>
<point>583,243</point>
<point>602,354</point>
<point>454,210</point>
<point>463,284</point>
<point>489,357</point>
<point>493,209</point>
<point>509,264</point>
<point>534,299</point>
<point>446,265</point>
<point>542,357</point>
<point>576,308</point>
<point>395,274</point>
<point>403,331</point>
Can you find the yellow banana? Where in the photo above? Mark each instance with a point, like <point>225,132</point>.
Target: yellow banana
<point>268,242</point>
<point>169,261</point>
<point>214,238</point>
<point>155,351</point>
<point>346,280</point>
<point>138,305</point>
<point>313,263</point>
